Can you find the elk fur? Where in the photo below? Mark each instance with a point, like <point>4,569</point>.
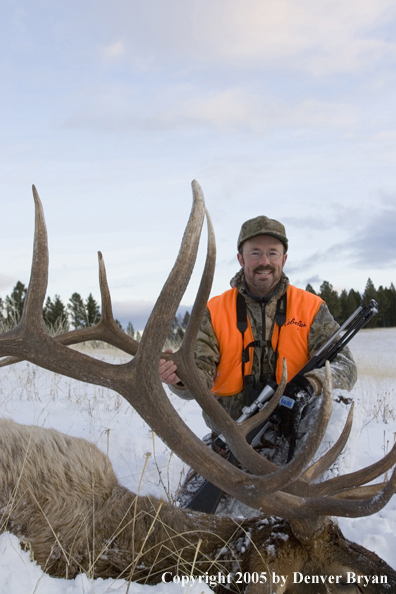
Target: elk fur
<point>60,496</point>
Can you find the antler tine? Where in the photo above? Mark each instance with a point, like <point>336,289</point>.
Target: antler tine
<point>324,463</point>
<point>106,329</point>
<point>336,506</point>
<point>32,316</point>
<point>33,309</point>
<point>307,526</point>
<point>361,492</point>
<point>363,502</point>
<point>358,478</point>
<point>165,309</point>
<point>107,310</point>
<point>259,418</point>
<point>185,354</point>
<point>33,343</point>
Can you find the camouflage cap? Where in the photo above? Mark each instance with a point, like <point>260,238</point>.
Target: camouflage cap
<point>262,226</point>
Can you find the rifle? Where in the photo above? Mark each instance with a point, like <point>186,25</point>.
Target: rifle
<point>208,496</point>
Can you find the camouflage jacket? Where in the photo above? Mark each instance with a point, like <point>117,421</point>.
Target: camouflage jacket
<point>207,353</point>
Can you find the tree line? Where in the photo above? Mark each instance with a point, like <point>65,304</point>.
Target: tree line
<point>77,313</point>
<point>81,313</point>
<point>344,304</point>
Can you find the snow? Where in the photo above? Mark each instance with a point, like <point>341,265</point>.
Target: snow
<point>143,464</point>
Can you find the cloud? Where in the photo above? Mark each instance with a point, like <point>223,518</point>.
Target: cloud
<point>317,37</point>
<point>221,66</point>
<point>309,222</point>
<point>188,107</point>
<point>114,50</point>
<point>373,245</point>
<point>234,108</point>
<point>312,280</point>
<point>316,279</point>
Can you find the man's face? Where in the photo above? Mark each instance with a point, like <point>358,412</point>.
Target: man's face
<point>262,273</point>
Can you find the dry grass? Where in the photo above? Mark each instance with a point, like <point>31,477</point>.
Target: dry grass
<point>374,351</point>
<point>201,564</point>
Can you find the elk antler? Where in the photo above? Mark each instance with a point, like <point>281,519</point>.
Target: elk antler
<point>288,492</point>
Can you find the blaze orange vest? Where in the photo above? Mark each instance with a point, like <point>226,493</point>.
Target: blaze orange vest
<point>292,341</point>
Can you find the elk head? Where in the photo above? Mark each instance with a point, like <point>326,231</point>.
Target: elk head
<point>305,542</point>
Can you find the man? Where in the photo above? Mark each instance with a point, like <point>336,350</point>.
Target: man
<point>280,321</point>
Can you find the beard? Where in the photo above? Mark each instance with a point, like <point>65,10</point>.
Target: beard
<point>263,285</point>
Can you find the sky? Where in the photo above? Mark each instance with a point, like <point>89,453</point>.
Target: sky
<point>279,108</point>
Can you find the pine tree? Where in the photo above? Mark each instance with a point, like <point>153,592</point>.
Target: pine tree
<point>348,303</point>
<point>370,292</point>
<point>47,310</point>
<point>330,296</point>
<point>310,289</point>
<point>129,330</point>
<point>15,302</point>
<point>386,299</point>
<point>355,299</point>
<point>55,314</point>
<point>92,311</point>
<point>176,324</point>
<point>175,335</point>
<point>59,313</point>
<point>344,306</point>
<point>2,316</point>
<point>77,311</point>
<point>392,305</point>
<point>383,306</point>
<point>186,319</point>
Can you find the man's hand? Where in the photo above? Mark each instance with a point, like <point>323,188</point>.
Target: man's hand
<point>167,371</point>
<point>298,392</point>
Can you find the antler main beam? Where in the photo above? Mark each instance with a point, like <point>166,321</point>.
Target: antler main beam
<point>286,492</point>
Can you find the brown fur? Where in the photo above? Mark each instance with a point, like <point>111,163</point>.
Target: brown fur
<point>60,496</point>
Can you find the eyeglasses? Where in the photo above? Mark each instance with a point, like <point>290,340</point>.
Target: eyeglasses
<point>272,255</point>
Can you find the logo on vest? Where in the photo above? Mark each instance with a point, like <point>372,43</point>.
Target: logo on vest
<point>294,322</point>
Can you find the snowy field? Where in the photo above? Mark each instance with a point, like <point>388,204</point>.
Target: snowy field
<point>32,396</point>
